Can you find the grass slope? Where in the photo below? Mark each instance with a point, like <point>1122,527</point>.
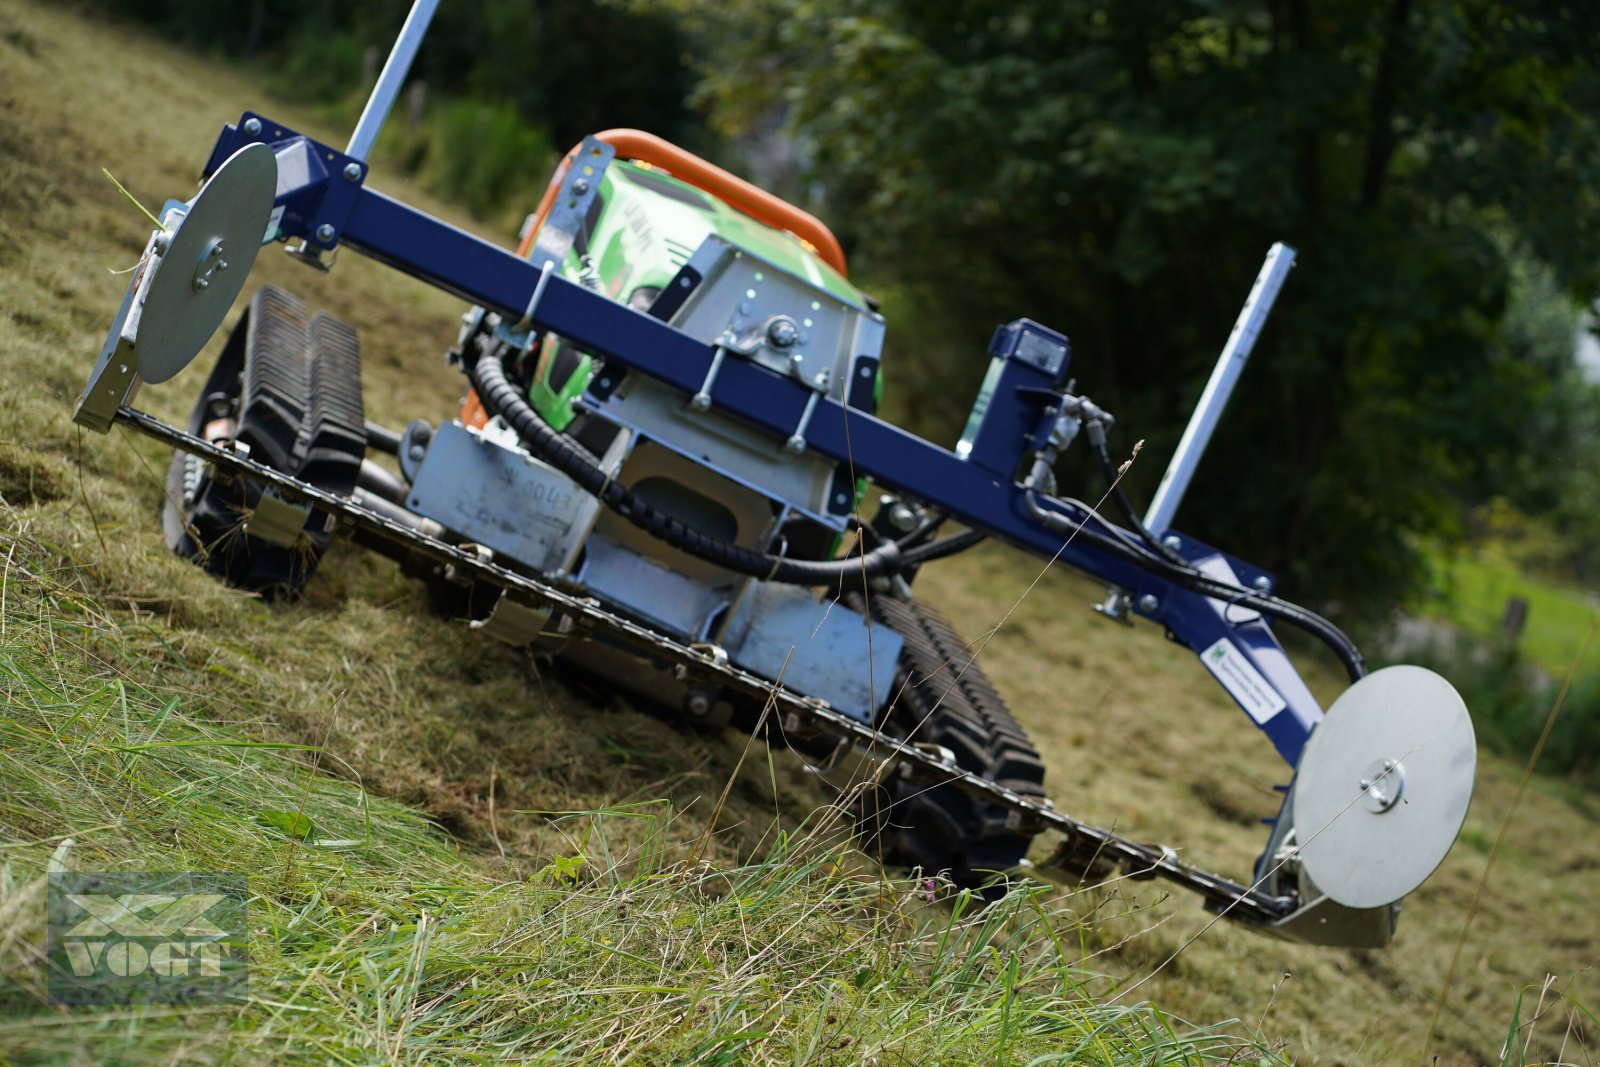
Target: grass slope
<point>754,948</point>
<point>374,939</point>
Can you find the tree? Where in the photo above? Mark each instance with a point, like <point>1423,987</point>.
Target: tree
<point>1118,170</point>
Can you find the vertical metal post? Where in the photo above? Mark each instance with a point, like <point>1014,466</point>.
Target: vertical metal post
<point>1215,397</point>
<point>390,79</point>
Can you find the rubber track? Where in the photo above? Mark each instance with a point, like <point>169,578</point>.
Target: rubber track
<point>943,697</point>
<point>336,437</point>
<point>273,388</point>
<point>300,411</point>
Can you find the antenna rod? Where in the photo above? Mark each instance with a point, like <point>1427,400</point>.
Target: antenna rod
<point>1224,376</point>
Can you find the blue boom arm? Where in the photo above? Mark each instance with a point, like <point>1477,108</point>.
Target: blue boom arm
<point>322,199</point>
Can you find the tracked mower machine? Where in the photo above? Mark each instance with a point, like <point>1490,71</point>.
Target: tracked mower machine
<point>667,471</point>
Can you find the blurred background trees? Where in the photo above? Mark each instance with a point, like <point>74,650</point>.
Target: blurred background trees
<point>1116,170</point>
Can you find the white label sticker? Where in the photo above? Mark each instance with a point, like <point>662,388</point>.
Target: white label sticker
<point>1241,679</point>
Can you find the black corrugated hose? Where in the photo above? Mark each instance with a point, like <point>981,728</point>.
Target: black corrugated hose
<point>500,397</point>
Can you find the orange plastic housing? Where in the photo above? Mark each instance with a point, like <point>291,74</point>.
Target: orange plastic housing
<point>729,188</point>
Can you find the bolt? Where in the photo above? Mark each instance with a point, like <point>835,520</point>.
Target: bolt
<point>252,126</point>
<point>797,358</point>
<point>796,444</point>
<point>1262,583</point>
<point>352,172</point>
<point>821,379</point>
<point>1172,541</point>
<point>417,452</point>
<point>866,370</point>
<point>901,517</point>
<point>222,264</point>
<point>200,283</point>
<point>1149,603</point>
<point>701,402</point>
<point>782,332</point>
<point>697,702</point>
<point>581,186</point>
<point>841,499</point>
<point>325,232</point>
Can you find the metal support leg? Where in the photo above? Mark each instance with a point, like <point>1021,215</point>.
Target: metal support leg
<point>1223,378</point>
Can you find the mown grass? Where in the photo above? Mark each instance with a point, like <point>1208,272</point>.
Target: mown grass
<point>460,747</point>
<point>373,938</point>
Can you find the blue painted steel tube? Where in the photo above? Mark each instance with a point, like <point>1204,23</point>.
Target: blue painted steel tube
<point>390,79</point>
<point>1175,482</point>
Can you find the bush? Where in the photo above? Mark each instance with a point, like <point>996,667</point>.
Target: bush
<point>483,156</point>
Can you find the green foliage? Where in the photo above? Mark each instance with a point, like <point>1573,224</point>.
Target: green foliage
<point>483,156</point>
<point>1512,556</point>
<point>568,66</point>
<point>1119,169</point>
<point>319,64</point>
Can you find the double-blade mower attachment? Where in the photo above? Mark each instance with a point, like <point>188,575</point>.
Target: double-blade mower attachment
<point>657,474</point>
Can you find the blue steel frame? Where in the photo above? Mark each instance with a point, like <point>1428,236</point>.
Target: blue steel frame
<point>324,200</point>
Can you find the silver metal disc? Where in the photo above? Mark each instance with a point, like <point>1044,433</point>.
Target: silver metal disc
<point>206,261</point>
<point>1383,786</point>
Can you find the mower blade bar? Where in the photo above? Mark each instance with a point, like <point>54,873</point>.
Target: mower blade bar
<point>1241,903</point>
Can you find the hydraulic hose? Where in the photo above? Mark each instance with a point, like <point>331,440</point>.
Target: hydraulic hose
<point>1195,581</point>
<point>946,546</point>
<point>1114,487</point>
<point>500,397</point>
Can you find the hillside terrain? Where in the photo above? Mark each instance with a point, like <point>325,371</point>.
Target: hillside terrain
<point>462,753</point>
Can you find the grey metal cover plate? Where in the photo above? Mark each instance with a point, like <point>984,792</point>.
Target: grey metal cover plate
<point>819,648</point>
<point>1371,833</point>
<point>503,499</point>
<point>206,262</point>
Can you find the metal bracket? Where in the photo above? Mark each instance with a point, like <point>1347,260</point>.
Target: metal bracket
<point>701,401</point>
<point>115,379</point>
<point>570,210</point>
<point>850,768</point>
<point>797,440</point>
<point>514,623</point>
<point>1117,606</point>
<point>276,521</point>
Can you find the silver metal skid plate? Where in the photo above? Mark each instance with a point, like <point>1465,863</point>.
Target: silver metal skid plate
<point>205,262</point>
<point>466,482</point>
<point>814,647</point>
<point>1383,786</point>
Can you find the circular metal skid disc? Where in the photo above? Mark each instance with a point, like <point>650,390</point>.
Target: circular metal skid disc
<point>1383,786</point>
<point>206,261</point>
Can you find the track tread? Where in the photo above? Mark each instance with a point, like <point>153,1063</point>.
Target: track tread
<point>295,392</point>
<point>943,697</point>
<point>336,438</point>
